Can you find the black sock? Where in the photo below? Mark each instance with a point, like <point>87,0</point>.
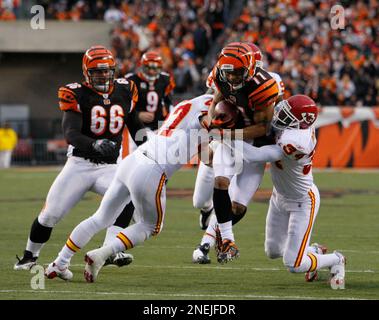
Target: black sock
<point>238,217</point>
<point>222,205</point>
<point>39,233</point>
<point>126,215</point>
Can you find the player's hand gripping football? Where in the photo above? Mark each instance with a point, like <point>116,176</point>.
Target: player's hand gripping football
<point>225,115</point>
<point>105,147</point>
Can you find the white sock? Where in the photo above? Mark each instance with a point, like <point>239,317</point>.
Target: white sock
<point>79,237</point>
<point>322,261</point>
<point>326,260</point>
<point>210,234</point>
<point>226,230</point>
<point>112,232</point>
<point>64,257</point>
<point>34,247</point>
<point>116,246</point>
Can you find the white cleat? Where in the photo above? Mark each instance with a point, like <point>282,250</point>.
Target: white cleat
<point>94,262</point>
<point>200,254</point>
<point>337,272</point>
<point>52,271</point>
<point>311,276</point>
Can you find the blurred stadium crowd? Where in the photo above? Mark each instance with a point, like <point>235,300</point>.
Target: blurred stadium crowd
<point>335,67</point>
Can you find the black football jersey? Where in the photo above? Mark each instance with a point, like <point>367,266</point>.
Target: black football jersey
<point>103,115</point>
<point>253,96</point>
<point>255,92</point>
<point>153,95</point>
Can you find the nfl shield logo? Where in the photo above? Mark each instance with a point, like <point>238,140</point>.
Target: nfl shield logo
<point>106,100</point>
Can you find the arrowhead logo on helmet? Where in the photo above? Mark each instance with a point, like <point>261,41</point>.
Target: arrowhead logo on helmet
<point>297,112</point>
<point>308,117</point>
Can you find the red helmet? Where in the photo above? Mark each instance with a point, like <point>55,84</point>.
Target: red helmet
<point>151,63</point>
<point>257,54</point>
<point>99,68</point>
<point>297,112</point>
<point>236,64</point>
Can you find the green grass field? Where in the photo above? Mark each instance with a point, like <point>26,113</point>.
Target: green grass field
<point>348,220</point>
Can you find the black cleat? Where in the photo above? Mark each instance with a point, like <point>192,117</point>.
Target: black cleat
<point>119,259</point>
<point>27,261</point>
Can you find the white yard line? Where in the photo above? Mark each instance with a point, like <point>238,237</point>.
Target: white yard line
<point>180,295</point>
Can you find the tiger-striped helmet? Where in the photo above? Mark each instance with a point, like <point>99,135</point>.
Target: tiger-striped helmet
<point>151,63</point>
<point>236,64</point>
<point>99,68</point>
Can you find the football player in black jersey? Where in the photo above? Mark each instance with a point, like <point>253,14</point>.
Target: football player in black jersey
<point>94,115</point>
<point>154,90</point>
<point>238,79</point>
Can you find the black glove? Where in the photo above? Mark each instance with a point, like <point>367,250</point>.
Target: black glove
<point>105,147</point>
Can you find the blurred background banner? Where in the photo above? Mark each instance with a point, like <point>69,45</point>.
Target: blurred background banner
<point>347,137</point>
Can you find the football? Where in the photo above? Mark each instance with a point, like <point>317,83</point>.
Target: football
<point>225,115</point>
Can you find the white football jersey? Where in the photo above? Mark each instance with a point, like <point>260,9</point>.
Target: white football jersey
<point>178,139</point>
<point>279,82</point>
<point>292,176</point>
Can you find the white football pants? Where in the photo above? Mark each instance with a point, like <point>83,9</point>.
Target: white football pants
<point>76,178</point>
<point>144,181</point>
<point>289,226</point>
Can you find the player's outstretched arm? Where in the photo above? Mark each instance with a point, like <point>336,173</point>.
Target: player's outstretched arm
<point>269,153</point>
<point>72,125</point>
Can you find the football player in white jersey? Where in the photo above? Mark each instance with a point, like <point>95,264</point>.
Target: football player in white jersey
<point>203,193</point>
<point>295,199</point>
<point>141,176</point>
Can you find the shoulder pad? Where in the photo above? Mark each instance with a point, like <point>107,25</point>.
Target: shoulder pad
<point>129,75</point>
<point>295,143</point>
<point>122,81</point>
<point>279,82</point>
<point>67,97</point>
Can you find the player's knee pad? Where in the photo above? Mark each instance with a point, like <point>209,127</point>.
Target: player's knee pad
<point>49,219</point>
<point>272,250</point>
<point>200,202</point>
<point>222,183</point>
